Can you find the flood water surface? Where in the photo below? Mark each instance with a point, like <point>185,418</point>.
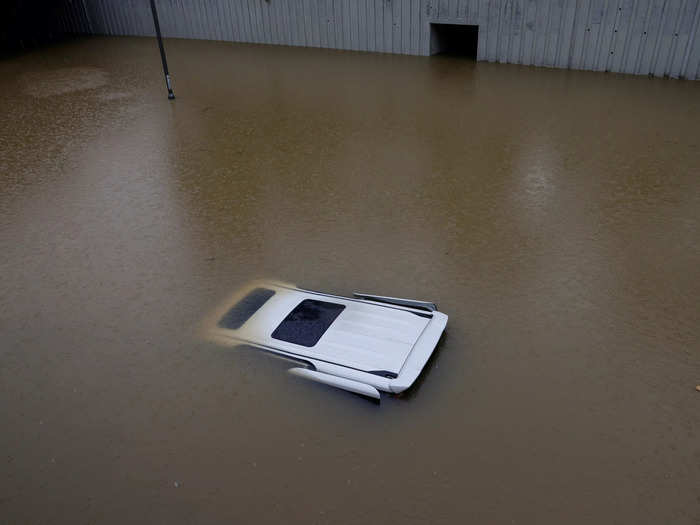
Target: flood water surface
<point>553,215</point>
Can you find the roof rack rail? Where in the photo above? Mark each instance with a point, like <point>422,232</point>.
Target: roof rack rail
<point>426,305</point>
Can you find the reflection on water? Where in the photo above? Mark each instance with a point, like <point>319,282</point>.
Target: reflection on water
<point>553,214</point>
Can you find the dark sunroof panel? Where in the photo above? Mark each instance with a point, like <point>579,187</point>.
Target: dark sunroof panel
<point>245,308</point>
<point>307,322</point>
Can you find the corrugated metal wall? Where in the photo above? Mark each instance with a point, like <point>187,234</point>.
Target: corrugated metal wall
<point>26,25</point>
<point>658,37</point>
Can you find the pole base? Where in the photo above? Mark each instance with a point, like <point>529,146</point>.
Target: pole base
<point>171,95</point>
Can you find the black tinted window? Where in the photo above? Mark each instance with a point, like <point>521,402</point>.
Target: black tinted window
<point>307,322</point>
<point>245,308</point>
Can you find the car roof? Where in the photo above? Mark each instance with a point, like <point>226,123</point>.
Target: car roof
<point>363,335</point>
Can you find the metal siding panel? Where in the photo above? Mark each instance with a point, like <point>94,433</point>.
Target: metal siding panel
<point>214,12</point>
<point>514,38</point>
<point>322,23</point>
<point>256,34</point>
<point>247,20</point>
<point>358,25</point>
<point>352,15</point>
<point>312,15</point>
<point>234,22</point>
<point>268,18</point>
<point>290,30</point>
<point>335,26</point>
<point>607,34</point>
<point>280,22</point>
<point>668,39</point>
<point>88,26</point>
<point>658,37</point>
<point>276,17</point>
<point>120,18</point>
<point>415,27</point>
<point>692,63</point>
<point>181,24</point>
<point>216,31</point>
<point>443,7</point>
<point>649,37</point>
<point>387,27</point>
<point>482,15</point>
<point>296,25</point>
<point>371,27</point>
<point>362,26</point>
<point>267,21</point>
<point>396,27</point>
<point>325,14</point>
<point>210,31</point>
<point>637,37</point>
<point>206,32</point>
<point>88,19</point>
<point>376,18</point>
<point>294,38</point>
<point>98,17</point>
<point>567,34</point>
<point>113,21</point>
<point>500,13</point>
<point>406,27</point>
<point>473,12</point>
<point>579,33</point>
<point>528,35</point>
<point>507,29</point>
<point>255,26</point>
<point>109,17</point>
<point>344,25</point>
<point>116,18</point>
<point>541,26</point>
<point>239,23</point>
<point>134,20</point>
<point>190,13</point>
<point>106,22</point>
<point>688,31</point>
<point>173,14</point>
<point>326,26</point>
<point>308,26</point>
<point>195,21</point>
<point>492,29</point>
<point>456,9</point>
<point>685,20</point>
<point>519,31</point>
<point>377,25</point>
<point>553,33</point>
<point>338,24</point>
<point>144,28</point>
<point>597,18</point>
<point>563,40</point>
<point>451,11</point>
<point>227,21</point>
<point>589,41</point>
<point>422,26</point>
<point>243,20</point>
<point>623,32</point>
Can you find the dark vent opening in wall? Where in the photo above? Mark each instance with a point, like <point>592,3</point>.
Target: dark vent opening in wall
<point>454,39</point>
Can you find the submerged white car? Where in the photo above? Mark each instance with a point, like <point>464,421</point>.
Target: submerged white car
<point>362,344</point>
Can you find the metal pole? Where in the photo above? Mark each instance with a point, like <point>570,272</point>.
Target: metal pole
<point>171,95</point>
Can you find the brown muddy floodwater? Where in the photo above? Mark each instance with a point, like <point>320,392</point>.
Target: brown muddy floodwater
<point>554,215</point>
